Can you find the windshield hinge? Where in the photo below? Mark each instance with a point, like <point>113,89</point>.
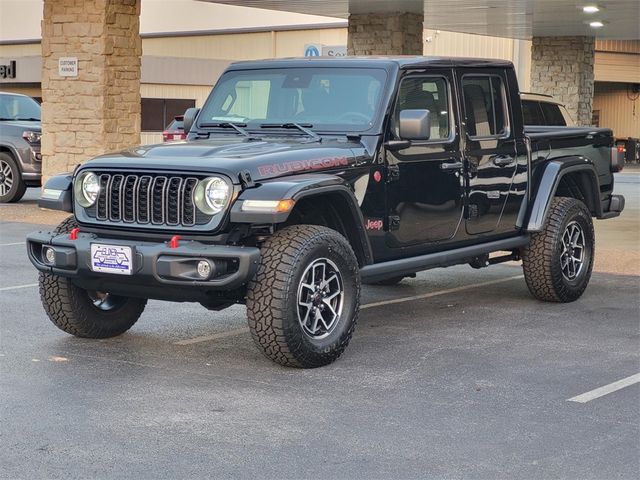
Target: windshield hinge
<point>245,179</point>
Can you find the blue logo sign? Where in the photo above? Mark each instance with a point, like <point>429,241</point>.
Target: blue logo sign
<point>311,51</point>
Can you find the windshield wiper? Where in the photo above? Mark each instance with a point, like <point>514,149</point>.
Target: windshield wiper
<point>304,128</point>
<point>28,119</point>
<point>236,126</point>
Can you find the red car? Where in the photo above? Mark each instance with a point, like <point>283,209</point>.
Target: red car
<point>175,130</point>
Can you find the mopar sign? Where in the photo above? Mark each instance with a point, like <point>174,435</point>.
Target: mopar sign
<point>317,50</point>
<point>312,50</point>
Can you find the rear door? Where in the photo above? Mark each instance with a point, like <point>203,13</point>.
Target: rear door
<point>490,152</point>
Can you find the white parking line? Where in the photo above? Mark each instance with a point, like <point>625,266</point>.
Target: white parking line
<point>241,331</point>
<point>11,244</point>
<point>606,390</point>
<point>17,287</point>
<point>215,336</point>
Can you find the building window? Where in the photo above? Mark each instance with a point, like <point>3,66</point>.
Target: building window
<point>157,113</point>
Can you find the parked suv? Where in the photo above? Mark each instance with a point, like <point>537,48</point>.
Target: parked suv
<point>539,109</point>
<point>20,159</point>
<point>302,178</point>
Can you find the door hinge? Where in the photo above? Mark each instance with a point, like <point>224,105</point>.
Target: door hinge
<point>394,222</point>
<point>393,173</point>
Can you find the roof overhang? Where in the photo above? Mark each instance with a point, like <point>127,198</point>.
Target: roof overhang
<point>521,19</point>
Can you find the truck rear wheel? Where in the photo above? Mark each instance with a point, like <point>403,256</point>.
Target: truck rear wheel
<point>302,304</point>
<point>558,261</point>
<point>84,313</point>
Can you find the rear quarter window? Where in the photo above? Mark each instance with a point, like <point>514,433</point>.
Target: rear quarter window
<point>532,113</point>
<point>552,115</point>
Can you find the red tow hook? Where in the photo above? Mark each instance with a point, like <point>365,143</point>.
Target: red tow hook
<point>174,242</point>
<point>73,234</point>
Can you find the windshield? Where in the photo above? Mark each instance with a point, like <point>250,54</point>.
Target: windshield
<point>17,107</point>
<point>327,99</point>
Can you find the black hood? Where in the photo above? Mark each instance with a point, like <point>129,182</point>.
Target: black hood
<point>230,156</point>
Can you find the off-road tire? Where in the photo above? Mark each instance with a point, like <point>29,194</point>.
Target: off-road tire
<point>71,309</point>
<point>541,258</point>
<point>272,297</point>
<point>18,189</point>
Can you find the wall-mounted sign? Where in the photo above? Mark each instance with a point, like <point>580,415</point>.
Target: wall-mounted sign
<point>317,50</point>
<point>68,66</point>
<point>8,71</point>
<point>312,50</point>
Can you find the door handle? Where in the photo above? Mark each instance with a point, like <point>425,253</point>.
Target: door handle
<point>448,167</point>
<point>502,160</point>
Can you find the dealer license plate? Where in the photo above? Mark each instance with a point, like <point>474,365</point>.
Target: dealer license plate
<point>111,259</point>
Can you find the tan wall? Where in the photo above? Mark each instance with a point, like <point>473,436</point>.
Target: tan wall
<point>25,50</point>
<point>150,138</point>
<point>452,44</point>
<point>243,46</point>
<point>620,46</point>
<point>618,109</point>
<point>617,67</point>
<point>31,91</point>
<point>197,92</point>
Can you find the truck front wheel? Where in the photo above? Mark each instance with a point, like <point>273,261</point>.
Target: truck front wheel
<point>85,313</point>
<point>558,261</point>
<point>302,304</point>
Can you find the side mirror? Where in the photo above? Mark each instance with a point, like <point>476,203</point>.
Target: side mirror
<point>189,117</point>
<point>414,124</point>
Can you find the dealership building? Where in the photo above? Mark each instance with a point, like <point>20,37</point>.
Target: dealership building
<point>598,78</point>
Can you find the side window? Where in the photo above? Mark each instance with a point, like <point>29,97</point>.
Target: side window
<point>552,114</point>
<point>426,93</point>
<point>532,113</point>
<point>484,103</point>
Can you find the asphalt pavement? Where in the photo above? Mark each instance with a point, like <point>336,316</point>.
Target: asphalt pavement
<point>458,373</point>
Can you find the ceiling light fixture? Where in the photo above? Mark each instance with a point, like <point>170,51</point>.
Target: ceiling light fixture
<point>590,9</point>
<point>596,24</point>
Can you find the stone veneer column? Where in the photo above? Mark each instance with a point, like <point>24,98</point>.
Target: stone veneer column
<point>385,34</point>
<point>563,67</point>
<point>99,110</point>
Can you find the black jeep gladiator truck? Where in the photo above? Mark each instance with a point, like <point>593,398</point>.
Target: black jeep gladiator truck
<point>302,178</point>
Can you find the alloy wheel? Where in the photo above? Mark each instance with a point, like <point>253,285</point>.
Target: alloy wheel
<point>572,258</point>
<point>320,298</point>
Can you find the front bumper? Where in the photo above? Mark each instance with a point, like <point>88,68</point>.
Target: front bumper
<point>158,271</point>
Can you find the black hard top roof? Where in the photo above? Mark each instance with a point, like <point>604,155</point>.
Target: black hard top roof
<point>373,62</point>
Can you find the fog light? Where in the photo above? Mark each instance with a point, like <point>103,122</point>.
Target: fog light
<point>50,255</point>
<point>204,269</point>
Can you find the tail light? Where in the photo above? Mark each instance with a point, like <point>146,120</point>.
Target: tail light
<point>617,158</point>
<point>167,136</point>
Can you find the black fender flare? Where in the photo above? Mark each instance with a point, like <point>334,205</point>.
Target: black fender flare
<point>297,187</point>
<point>547,185</point>
<point>57,193</point>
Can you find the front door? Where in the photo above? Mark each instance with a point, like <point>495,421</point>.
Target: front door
<point>490,152</point>
<point>424,183</point>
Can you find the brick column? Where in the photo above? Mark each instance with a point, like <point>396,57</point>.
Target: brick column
<point>563,67</point>
<point>99,110</point>
<point>385,34</point>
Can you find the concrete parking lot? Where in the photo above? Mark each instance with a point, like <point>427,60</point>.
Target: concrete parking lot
<point>457,373</point>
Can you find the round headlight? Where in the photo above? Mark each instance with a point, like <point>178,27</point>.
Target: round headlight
<point>86,189</point>
<point>212,195</point>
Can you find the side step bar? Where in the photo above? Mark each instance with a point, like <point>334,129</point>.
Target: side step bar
<point>407,266</point>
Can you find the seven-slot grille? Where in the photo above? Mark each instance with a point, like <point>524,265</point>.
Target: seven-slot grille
<point>146,199</point>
